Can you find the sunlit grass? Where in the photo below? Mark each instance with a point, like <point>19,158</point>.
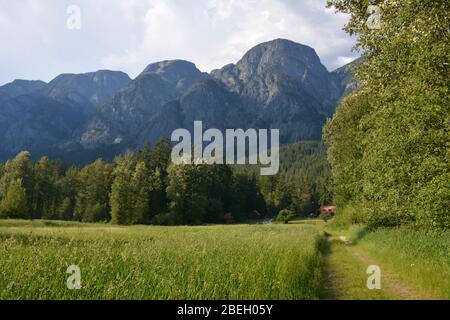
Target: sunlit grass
<point>141,262</point>
<point>419,257</point>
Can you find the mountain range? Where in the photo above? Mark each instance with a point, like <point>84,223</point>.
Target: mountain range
<point>80,117</point>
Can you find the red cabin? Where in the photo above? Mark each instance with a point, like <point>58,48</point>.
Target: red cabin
<point>328,209</point>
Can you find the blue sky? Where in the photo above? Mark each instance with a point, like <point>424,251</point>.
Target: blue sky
<point>127,35</point>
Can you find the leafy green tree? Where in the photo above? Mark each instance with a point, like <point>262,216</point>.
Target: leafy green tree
<point>14,204</point>
<point>19,168</point>
<point>389,141</point>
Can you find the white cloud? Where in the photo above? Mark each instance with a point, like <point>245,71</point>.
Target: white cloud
<point>345,60</point>
<point>129,34</point>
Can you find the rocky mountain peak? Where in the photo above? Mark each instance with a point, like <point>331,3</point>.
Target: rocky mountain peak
<point>182,74</point>
<point>279,66</point>
<point>284,56</point>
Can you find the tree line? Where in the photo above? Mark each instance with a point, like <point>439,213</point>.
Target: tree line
<point>146,188</point>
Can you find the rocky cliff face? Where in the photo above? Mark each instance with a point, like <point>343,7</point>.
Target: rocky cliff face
<point>344,76</point>
<point>279,84</point>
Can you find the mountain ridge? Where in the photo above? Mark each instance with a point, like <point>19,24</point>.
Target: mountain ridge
<point>276,84</point>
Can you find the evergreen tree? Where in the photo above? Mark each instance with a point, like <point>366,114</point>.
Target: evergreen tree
<point>140,184</point>
<point>92,200</point>
<point>121,199</point>
<point>65,210</point>
<point>44,204</point>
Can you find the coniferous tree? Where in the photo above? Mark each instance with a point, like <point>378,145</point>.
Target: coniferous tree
<point>141,185</point>
<point>92,200</point>
<point>121,198</point>
<point>44,204</point>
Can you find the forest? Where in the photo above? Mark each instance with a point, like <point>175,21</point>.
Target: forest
<point>146,188</point>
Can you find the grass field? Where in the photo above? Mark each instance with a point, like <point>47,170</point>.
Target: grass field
<point>141,262</point>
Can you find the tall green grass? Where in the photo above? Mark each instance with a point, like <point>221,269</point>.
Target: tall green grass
<point>420,257</point>
<point>140,262</point>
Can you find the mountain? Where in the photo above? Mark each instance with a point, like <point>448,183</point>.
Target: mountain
<point>144,97</point>
<point>38,116</point>
<point>278,84</point>
<point>19,87</point>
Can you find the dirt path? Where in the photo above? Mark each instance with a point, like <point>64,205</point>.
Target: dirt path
<point>347,265</point>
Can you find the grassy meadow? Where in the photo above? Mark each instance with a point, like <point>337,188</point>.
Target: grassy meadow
<point>147,262</point>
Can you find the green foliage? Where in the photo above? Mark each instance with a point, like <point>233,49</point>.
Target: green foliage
<point>325,216</point>
<point>92,192</point>
<point>14,204</point>
<point>122,196</point>
<point>285,216</point>
<point>20,168</point>
<point>46,174</point>
<point>65,210</point>
<point>303,184</point>
<point>389,141</point>
<point>349,216</point>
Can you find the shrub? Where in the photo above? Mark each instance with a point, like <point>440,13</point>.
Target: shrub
<point>285,216</point>
<point>325,216</point>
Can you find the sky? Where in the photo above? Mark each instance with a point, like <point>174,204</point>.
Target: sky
<point>41,39</point>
